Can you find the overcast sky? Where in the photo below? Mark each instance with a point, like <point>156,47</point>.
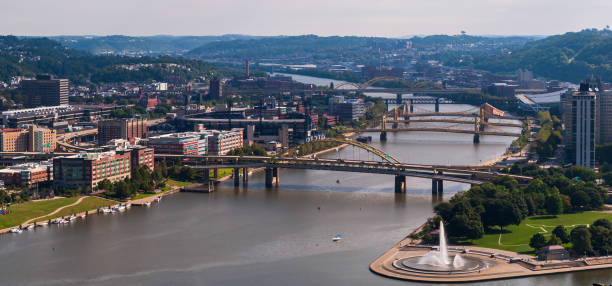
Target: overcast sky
<point>290,17</point>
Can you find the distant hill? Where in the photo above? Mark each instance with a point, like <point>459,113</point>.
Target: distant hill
<point>150,45</point>
<point>473,42</point>
<point>569,57</point>
<point>293,48</point>
<point>31,56</point>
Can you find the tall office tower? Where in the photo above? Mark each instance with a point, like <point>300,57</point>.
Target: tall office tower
<point>215,89</point>
<point>246,66</point>
<point>128,129</point>
<point>604,116</point>
<point>45,91</point>
<point>581,124</point>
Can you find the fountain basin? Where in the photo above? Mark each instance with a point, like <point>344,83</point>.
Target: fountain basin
<point>469,265</point>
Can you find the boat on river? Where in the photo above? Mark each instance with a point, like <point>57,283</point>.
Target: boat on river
<point>337,238</point>
<point>15,230</point>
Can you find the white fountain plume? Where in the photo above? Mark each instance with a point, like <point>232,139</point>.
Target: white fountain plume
<point>458,261</point>
<point>443,247</point>
<point>440,257</point>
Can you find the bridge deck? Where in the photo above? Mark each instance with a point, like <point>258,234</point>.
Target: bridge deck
<point>412,170</point>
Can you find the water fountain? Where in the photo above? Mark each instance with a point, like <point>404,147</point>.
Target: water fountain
<point>439,261</point>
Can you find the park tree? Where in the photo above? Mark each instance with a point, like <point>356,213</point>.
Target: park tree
<point>553,204</point>
<point>581,241</point>
<point>561,233</point>
<point>600,239</point>
<point>554,240</point>
<point>501,212</point>
<point>581,173</point>
<point>516,169</point>
<point>603,223</point>
<point>187,173</point>
<point>464,226</point>
<point>580,200</point>
<point>537,241</point>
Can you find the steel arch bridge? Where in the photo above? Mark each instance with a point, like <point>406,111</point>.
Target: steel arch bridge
<point>367,83</point>
<point>380,153</point>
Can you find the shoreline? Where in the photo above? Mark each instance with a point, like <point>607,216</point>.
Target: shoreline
<point>138,202</point>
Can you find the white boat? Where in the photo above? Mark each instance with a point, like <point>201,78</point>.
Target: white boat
<point>83,216</point>
<point>158,199</point>
<point>72,217</point>
<point>15,230</point>
<point>148,204</point>
<point>107,211</point>
<point>337,238</point>
<point>30,227</point>
<point>41,224</point>
<point>128,205</point>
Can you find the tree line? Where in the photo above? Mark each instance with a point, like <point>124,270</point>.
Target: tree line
<point>501,203</point>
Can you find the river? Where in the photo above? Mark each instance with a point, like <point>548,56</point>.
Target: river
<point>254,236</point>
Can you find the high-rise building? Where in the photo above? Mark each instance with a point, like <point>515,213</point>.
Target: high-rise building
<point>604,114</point>
<point>128,129</point>
<point>246,66</point>
<point>45,91</point>
<point>215,89</point>
<point>580,116</point>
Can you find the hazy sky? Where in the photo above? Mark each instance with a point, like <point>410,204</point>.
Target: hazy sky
<point>291,17</point>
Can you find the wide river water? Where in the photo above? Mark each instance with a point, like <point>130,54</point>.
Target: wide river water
<point>253,236</point>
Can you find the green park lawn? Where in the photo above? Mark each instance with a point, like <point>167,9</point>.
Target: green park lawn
<point>25,211</point>
<point>176,183</point>
<point>516,238</point>
<point>223,172</point>
<point>88,203</point>
<point>146,195</point>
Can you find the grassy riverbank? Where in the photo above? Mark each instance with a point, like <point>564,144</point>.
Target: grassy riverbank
<point>516,238</point>
<point>88,203</point>
<point>21,213</point>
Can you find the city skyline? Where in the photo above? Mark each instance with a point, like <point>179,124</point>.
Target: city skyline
<point>388,18</point>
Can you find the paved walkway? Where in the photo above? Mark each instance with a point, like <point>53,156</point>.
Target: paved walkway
<point>55,211</point>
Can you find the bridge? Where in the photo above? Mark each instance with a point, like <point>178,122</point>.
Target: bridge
<point>437,174</point>
<point>481,119</point>
<point>388,165</point>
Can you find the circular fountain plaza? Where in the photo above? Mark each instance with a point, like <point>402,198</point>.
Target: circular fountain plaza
<point>409,261</point>
<point>439,262</point>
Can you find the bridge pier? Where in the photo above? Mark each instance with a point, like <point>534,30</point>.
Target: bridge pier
<point>245,176</point>
<point>437,187</point>
<point>383,136</point>
<point>236,177</point>
<point>271,177</point>
<point>206,180</point>
<point>437,104</point>
<point>400,184</point>
<point>476,138</point>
